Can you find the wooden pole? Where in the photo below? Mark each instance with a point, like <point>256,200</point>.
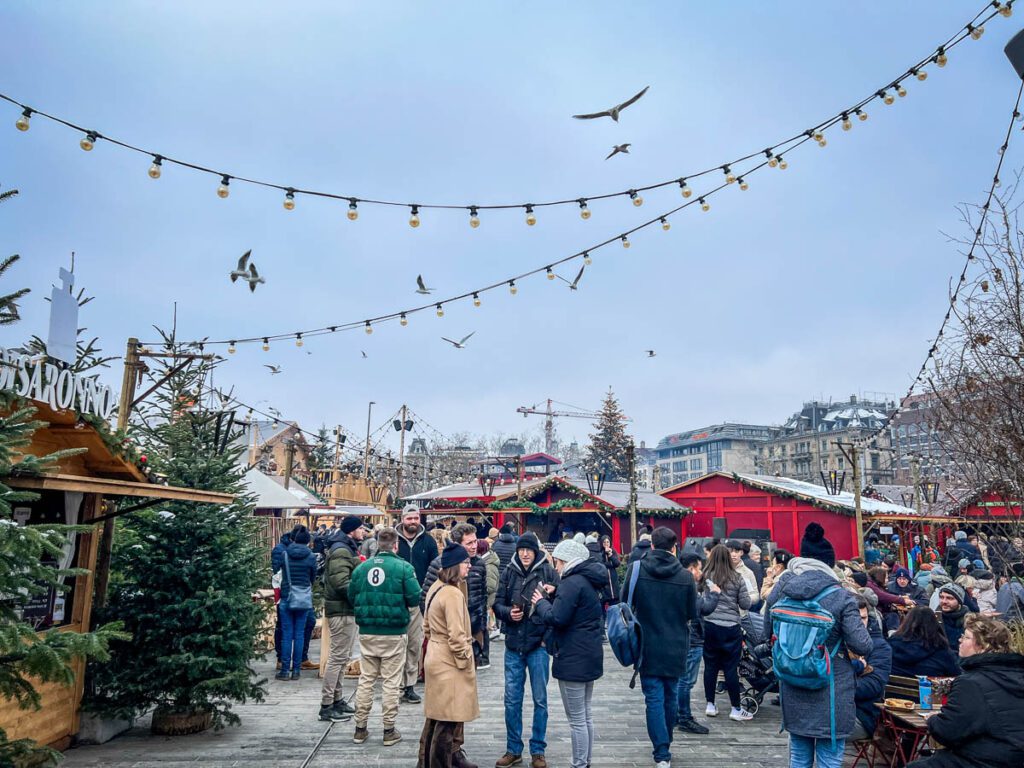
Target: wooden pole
<point>289,461</point>
<point>855,458</point>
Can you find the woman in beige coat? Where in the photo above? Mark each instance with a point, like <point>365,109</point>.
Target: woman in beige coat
<point>449,699</point>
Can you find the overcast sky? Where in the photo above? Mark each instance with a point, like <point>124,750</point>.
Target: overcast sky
<point>825,280</point>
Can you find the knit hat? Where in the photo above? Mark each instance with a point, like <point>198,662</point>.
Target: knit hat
<point>493,533</point>
<point>529,541</point>
<point>591,539</point>
<point>568,550</point>
<point>579,538</point>
<point>482,545</point>
<point>978,564</point>
<point>645,537</point>
<point>508,528</point>
<point>964,563</point>
<point>859,578</point>
<point>453,555</point>
<point>815,545</point>
<point>955,590</point>
<point>350,522</point>
<point>901,573</point>
<point>960,535</point>
<point>301,536</point>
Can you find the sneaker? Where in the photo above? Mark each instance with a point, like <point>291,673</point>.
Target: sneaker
<point>282,676</point>
<point>663,764</point>
<point>360,735</point>
<point>307,664</point>
<point>495,634</point>
<point>507,760</point>
<point>711,710</point>
<point>410,696</point>
<point>330,714</point>
<point>344,707</point>
<point>295,675</point>
<point>692,726</point>
<point>391,737</point>
<point>538,761</point>
<point>740,715</point>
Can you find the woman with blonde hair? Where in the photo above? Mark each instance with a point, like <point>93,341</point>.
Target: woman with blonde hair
<point>449,696</point>
<point>440,537</point>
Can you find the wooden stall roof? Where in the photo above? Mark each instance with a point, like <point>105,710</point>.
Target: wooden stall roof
<point>117,488</point>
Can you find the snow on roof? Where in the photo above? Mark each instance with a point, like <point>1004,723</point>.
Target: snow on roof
<point>818,493</point>
<point>271,495</point>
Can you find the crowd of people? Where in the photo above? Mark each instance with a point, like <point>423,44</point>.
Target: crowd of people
<point>426,604</point>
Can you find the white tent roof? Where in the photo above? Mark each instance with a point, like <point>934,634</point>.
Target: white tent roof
<point>270,495</point>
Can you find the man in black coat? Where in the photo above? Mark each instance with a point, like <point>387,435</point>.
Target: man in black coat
<point>664,601</point>
<point>505,547</point>
<point>524,652</point>
<point>418,549</point>
<point>872,673</point>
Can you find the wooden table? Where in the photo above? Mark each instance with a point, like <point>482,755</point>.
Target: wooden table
<point>906,724</point>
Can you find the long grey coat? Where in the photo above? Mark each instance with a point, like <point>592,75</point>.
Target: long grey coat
<point>804,712</point>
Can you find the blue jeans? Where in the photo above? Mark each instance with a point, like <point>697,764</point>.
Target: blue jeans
<point>308,633</point>
<point>688,680</point>
<point>536,662</point>
<point>292,625</point>
<point>660,696</point>
<point>803,750</point>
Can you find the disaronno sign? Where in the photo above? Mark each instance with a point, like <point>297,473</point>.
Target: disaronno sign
<point>59,387</point>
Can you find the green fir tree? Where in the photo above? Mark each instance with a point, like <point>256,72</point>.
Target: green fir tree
<point>607,451</point>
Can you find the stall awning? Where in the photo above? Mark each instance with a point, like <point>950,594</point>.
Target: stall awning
<point>117,488</point>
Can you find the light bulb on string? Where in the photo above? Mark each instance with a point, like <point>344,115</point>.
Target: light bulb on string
<point>403,320</point>
<point>1005,10</point>
<point>440,310</point>
<point>22,123</point>
<point>289,199</point>
<point>625,241</point>
<point>847,125</point>
<point>266,344</point>
<point>154,169</point>
<point>414,217</point>
<point>861,115</point>
<point>550,273</point>
<point>368,328</point>
<point>684,189</point>
<point>901,91</point>
<point>743,184</point>
<point>353,210</point>
<point>772,162</point>
<point>783,165</point>
<point>665,224</point>
<point>512,287</point>
<point>530,218</point>
<point>637,200</point>
<point>476,299</point>
<point>474,217</point>
<point>298,340</point>
<point>222,190</point>
<point>704,205</point>
<point>231,348</point>
<point>940,58</point>
<point>584,211</point>
<point>920,74</point>
<point>729,178</point>
<point>586,258</point>
<point>89,141</point>
<point>887,98</point>
<point>976,32</point>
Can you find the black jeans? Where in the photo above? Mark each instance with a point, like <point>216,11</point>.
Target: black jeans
<point>722,646</point>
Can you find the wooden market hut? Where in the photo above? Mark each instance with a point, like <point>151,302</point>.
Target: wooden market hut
<point>776,509</point>
<point>73,492</point>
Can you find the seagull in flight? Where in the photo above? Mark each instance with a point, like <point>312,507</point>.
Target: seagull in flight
<point>273,410</point>
<point>254,278</point>
<point>613,113</point>
<point>651,353</point>
<point>421,287</point>
<point>616,149</point>
<point>575,283</point>
<point>364,354</point>
<point>241,271</point>
<point>274,369</point>
<point>461,344</point>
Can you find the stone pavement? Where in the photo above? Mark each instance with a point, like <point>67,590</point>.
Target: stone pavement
<point>283,730</point>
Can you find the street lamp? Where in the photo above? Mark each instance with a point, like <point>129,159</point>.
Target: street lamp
<point>833,482</point>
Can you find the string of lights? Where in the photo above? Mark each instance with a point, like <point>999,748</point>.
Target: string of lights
<point>919,71</point>
<point>737,177</point>
<point>955,293</point>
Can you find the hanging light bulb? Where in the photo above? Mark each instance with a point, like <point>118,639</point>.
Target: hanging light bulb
<point>222,190</point>
<point>783,165</point>
<point>586,258</point>
<point>940,58</point>
<point>22,123</point>
<point>154,169</point>
<point>512,287</point>
<point>637,200</point>
<point>704,206</point>
<point>551,275</point>
<point>684,189</point>
<point>530,218</point>
<point>289,200</point>
<point>901,91</point>
<point>584,211</point>
<point>729,178</point>
<point>474,218</point>
<point>847,125</point>
<point>403,320</point>
<point>266,344</point>
<point>476,299</point>
<point>368,328</point>
<point>298,340</point>
<point>625,241</point>
<point>887,97</point>
<point>665,224</point>
<point>89,141</point>
<point>440,310</point>
<point>743,184</point>
<point>861,115</point>
<point>1006,10</point>
<point>353,210</point>
<point>414,217</point>
<point>921,75</point>
<point>231,348</point>
<point>976,32</point>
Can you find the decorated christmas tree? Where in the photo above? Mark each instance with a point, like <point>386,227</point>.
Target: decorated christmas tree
<point>184,573</point>
<point>607,451</point>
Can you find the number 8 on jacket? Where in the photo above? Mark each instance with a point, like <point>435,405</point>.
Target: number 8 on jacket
<point>375,576</point>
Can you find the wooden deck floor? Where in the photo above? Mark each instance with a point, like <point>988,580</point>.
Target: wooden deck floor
<point>283,730</point>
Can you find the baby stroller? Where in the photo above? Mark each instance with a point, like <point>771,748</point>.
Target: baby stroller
<point>755,668</point>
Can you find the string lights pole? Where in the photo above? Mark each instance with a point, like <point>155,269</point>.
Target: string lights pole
<point>366,453</point>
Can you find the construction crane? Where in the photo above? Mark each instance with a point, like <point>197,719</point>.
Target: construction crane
<point>549,421</point>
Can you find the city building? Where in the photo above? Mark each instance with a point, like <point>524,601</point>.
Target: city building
<point>913,436</point>
<point>808,443</point>
<point>721,447</point>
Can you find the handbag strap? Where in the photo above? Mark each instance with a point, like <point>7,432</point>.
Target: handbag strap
<point>287,571</point>
<point>632,583</point>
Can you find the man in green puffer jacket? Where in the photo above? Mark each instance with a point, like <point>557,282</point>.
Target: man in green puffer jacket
<point>382,591</point>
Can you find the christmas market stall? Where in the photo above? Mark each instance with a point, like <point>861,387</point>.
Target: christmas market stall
<point>79,489</point>
<point>775,509</point>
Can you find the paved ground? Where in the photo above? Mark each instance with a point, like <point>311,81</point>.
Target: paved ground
<point>283,730</point>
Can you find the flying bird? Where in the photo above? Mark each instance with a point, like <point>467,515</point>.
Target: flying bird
<point>241,270</point>
<point>274,369</point>
<point>575,283</point>
<point>421,286</point>
<point>623,148</point>
<point>254,278</point>
<point>651,353</point>
<point>272,409</point>
<point>613,113</point>
<point>461,344</point>
<point>364,354</point>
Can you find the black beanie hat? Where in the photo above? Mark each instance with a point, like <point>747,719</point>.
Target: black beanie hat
<point>860,578</point>
<point>453,554</point>
<point>508,528</point>
<point>529,540</point>
<point>350,522</point>
<point>301,536</point>
<point>815,545</point>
